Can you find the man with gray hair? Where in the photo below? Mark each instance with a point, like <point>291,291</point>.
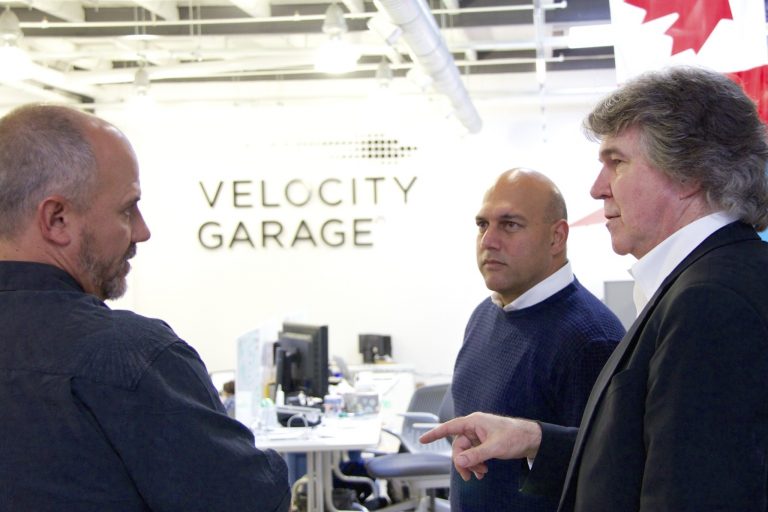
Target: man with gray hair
<point>102,409</point>
<point>678,418</point>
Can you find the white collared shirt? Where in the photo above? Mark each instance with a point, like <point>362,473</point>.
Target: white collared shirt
<point>540,291</point>
<point>651,270</point>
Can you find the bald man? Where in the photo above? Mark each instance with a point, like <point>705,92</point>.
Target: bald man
<point>102,409</point>
<point>534,347</point>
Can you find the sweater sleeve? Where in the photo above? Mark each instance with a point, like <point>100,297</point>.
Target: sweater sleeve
<point>576,376</point>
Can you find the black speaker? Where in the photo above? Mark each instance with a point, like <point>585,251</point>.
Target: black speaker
<point>374,346</point>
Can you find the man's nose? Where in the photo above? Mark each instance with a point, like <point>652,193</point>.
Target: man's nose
<point>489,239</point>
<point>601,188</point>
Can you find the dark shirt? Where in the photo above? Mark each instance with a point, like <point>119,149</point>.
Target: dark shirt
<point>107,410</point>
<point>537,362</point>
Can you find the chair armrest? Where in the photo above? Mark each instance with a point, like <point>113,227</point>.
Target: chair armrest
<point>394,434</point>
<point>424,417</point>
<point>391,432</point>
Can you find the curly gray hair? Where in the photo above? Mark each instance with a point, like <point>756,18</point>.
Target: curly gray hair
<point>695,124</point>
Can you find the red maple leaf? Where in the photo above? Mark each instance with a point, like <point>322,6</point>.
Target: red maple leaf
<point>755,83</point>
<point>697,19</point>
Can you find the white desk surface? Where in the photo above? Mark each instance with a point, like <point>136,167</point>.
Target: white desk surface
<point>352,433</point>
<point>381,367</point>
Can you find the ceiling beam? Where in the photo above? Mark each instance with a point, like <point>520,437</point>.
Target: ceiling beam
<point>63,82</point>
<point>492,15</point>
<point>451,4</point>
<point>163,8</point>
<point>41,92</point>
<point>91,79</point>
<point>354,6</point>
<point>68,11</point>
<point>255,8</point>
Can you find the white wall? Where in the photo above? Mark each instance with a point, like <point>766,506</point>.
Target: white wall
<point>417,281</point>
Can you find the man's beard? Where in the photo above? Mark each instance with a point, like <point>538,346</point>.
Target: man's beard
<point>108,277</point>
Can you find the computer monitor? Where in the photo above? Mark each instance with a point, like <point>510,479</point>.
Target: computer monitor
<point>301,359</point>
<point>374,346</point>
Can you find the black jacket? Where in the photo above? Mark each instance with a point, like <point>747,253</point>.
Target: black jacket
<point>678,419</point>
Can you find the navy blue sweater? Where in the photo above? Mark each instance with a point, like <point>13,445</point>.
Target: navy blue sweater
<point>540,363</point>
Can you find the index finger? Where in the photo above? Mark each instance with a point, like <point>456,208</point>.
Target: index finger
<point>449,428</point>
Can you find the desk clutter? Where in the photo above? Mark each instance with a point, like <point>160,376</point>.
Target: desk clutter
<point>327,418</point>
<point>292,415</point>
<point>362,403</point>
<point>332,406</point>
<point>334,449</point>
<point>338,465</point>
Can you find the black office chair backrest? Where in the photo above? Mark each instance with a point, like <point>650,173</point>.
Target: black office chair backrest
<point>424,409</point>
<point>428,398</point>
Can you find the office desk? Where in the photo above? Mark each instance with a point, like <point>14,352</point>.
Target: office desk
<point>324,446</point>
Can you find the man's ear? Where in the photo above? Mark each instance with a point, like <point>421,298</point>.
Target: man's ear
<point>54,220</point>
<point>559,236</point>
<point>688,188</point>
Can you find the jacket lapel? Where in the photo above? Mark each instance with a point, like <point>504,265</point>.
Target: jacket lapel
<point>731,233</point>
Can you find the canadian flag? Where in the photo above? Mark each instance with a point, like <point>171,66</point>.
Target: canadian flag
<point>724,35</point>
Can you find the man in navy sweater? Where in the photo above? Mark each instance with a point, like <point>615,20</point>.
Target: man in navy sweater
<point>534,347</point>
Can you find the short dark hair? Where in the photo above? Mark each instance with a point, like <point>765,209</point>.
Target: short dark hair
<point>43,151</point>
<point>695,124</point>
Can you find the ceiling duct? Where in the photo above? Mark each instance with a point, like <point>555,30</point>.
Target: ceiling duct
<point>428,49</point>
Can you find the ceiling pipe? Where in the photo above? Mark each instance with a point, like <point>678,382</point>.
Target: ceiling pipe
<point>428,49</point>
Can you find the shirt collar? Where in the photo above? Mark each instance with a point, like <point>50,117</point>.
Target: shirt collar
<point>651,270</point>
<point>28,275</point>
<point>540,291</point>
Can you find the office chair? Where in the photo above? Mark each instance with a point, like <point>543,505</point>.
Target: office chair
<point>423,468</point>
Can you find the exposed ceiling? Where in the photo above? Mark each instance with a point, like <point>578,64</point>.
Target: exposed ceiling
<point>81,48</point>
